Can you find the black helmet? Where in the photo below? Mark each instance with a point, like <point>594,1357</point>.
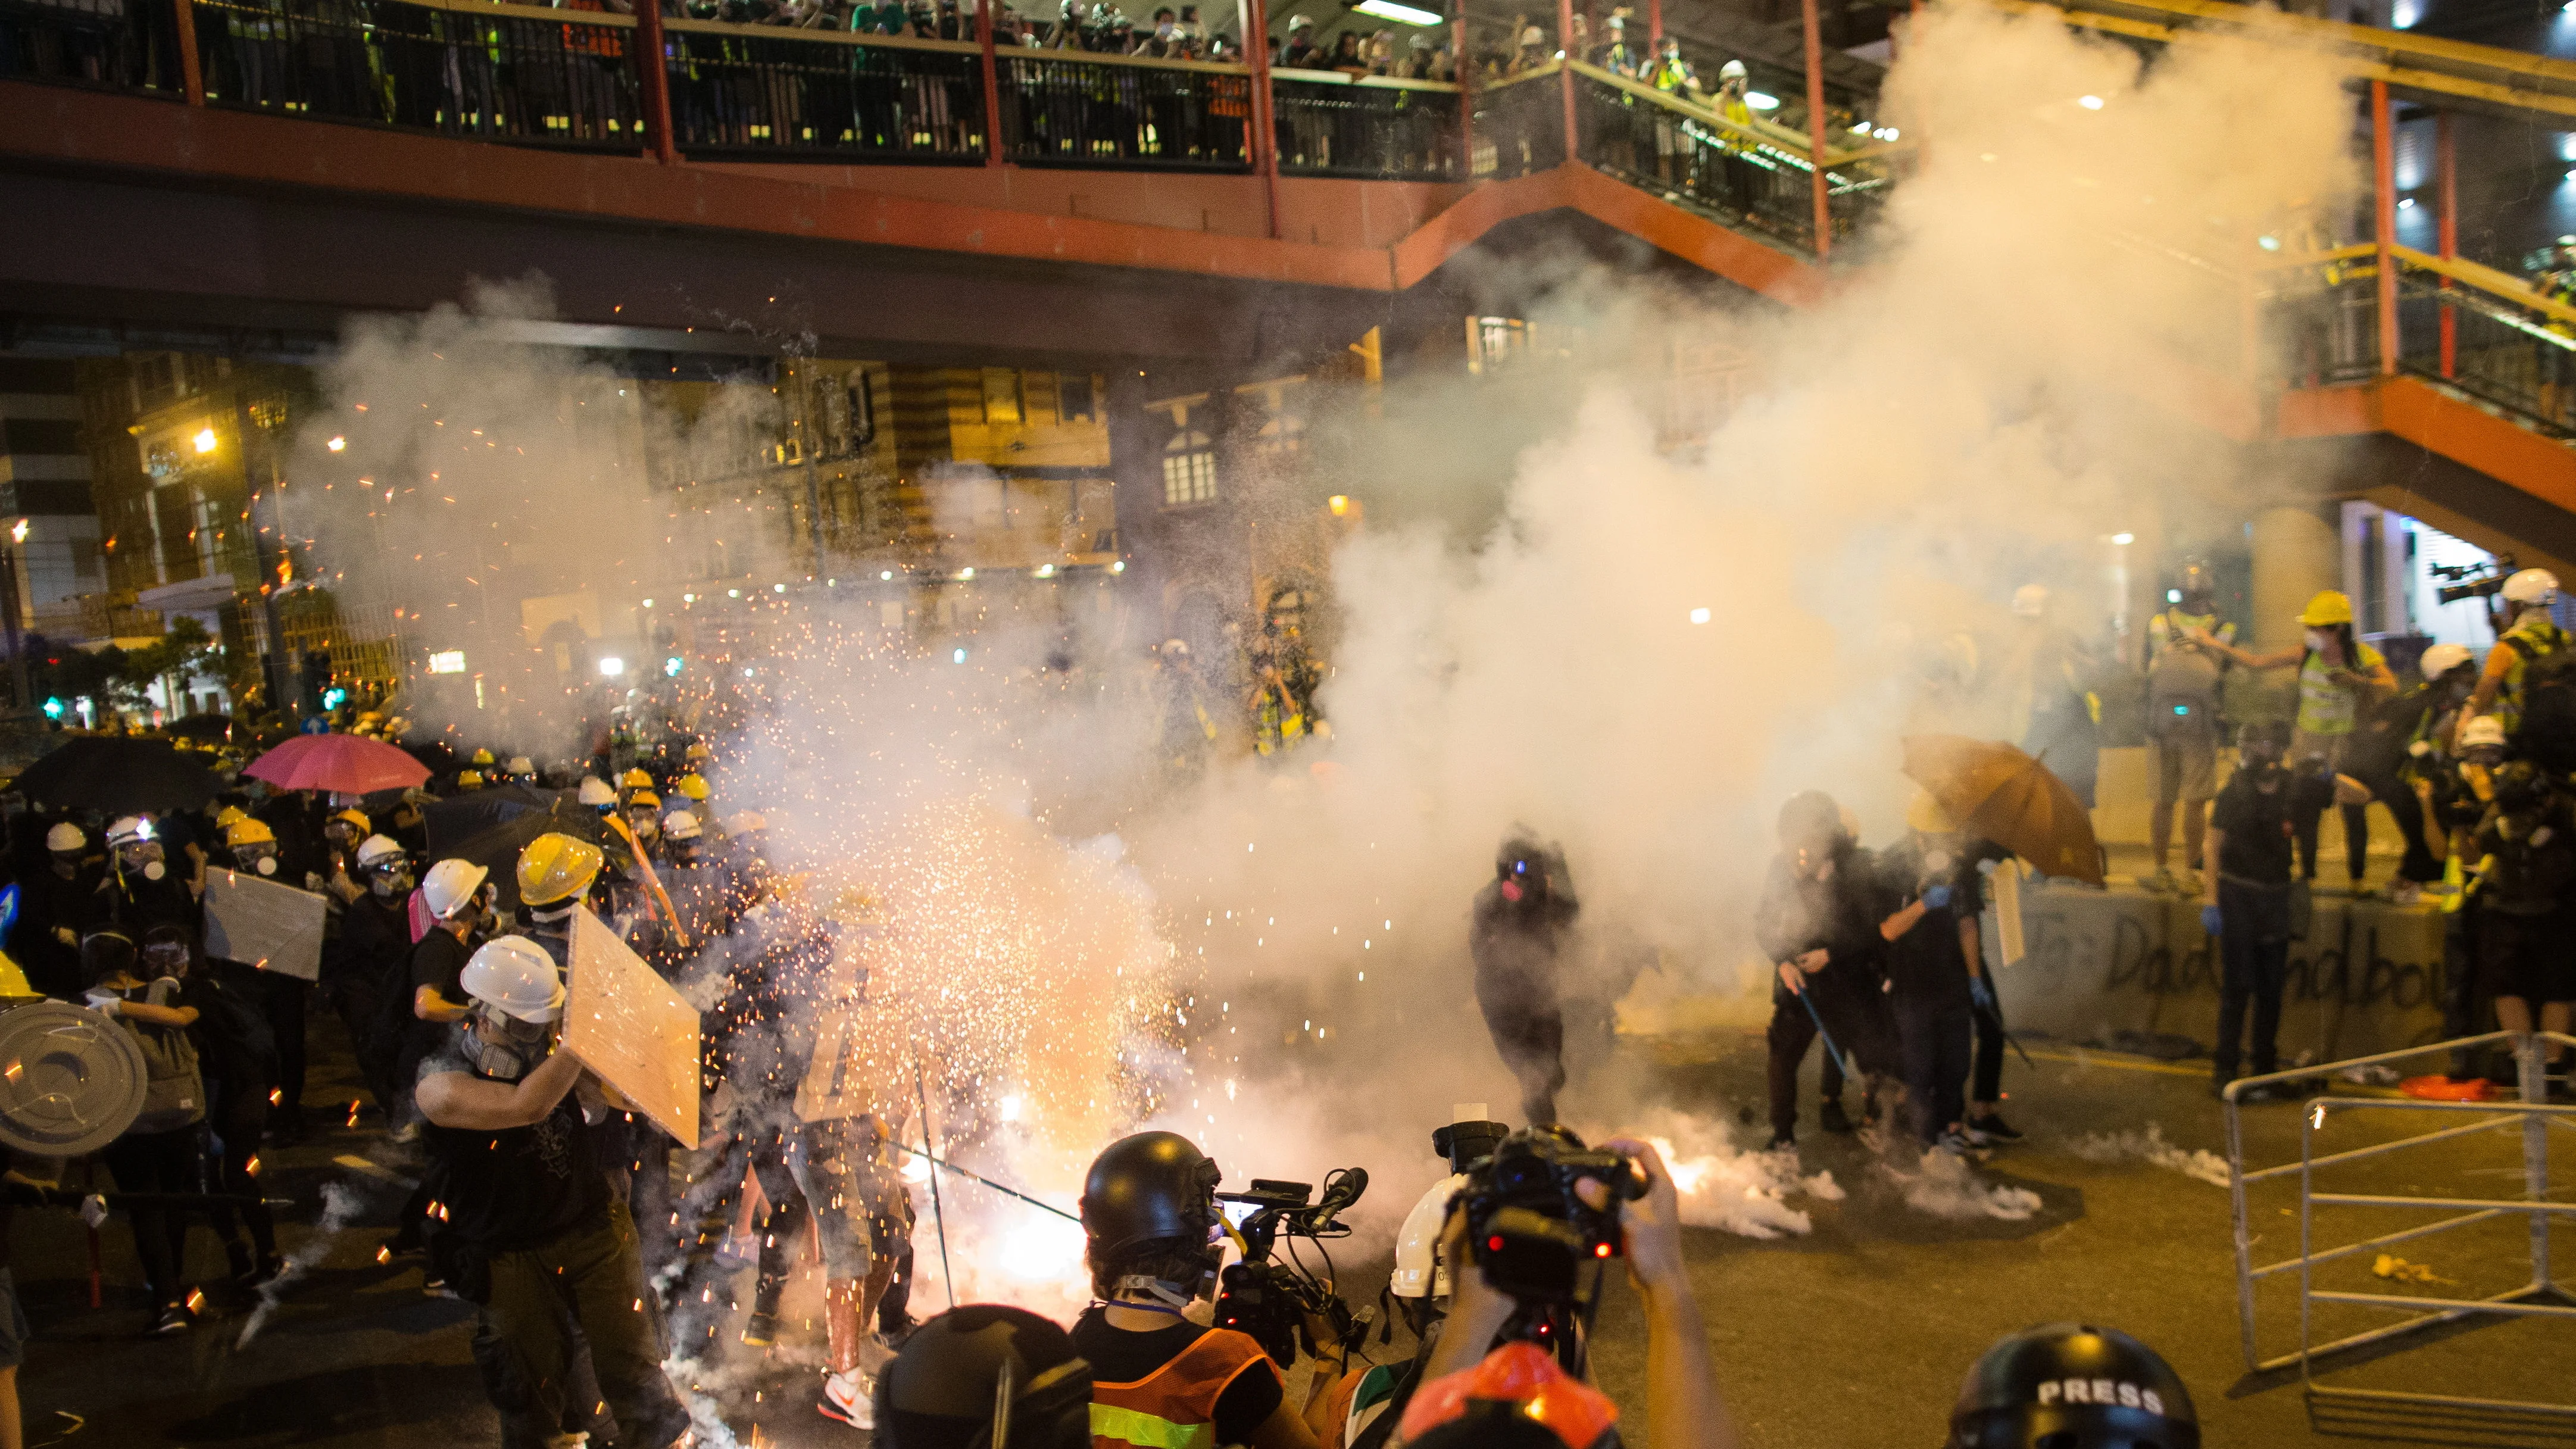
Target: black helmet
<point>1810,817</point>
<point>2265,737</point>
<point>1147,1188</point>
<point>943,1390</point>
<point>2072,1386</point>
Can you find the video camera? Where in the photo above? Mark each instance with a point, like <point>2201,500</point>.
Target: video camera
<point>1269,1299</point>
<point>2473,581</point>
<point>1528,1229</point>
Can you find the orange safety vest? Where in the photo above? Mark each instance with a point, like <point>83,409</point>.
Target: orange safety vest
<point>1174,1407</point>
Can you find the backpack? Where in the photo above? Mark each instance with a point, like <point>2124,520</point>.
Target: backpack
<point>174,1095</point>
<point>2182,693</point>
<point>2545,730</point>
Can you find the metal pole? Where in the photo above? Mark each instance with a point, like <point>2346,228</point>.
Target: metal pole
<point>1264,138</point>
<point>2533,1053</point>
<point>1655,23</point>
<point>281,665</point>
<point>1465,58</point>
<point>2383,167</point>
<point>192,70</point>
<point>1565,74</point>
<point>2244,1241</point>
<point>9,573</point>
<point>1813,29</point>
<point>653,74</point>
<point>938,1217</point>
<point>992,103</point>
<point>2447,229</point>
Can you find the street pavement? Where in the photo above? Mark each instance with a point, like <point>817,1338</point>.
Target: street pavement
<point>1852,1336</point>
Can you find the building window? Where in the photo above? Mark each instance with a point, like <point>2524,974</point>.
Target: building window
<point>1189,469</point>
<point>1075,397</point>
<point>1001,395</point>
<point>1495,342</point>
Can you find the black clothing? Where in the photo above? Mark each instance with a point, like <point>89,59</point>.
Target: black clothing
<point>1514,944</point>
<point>1840,915</point>
<point>514,1188</point>
<point>157,1162</point>
<point>2259,825</point>
<point>286,1000</point>
<point>1927,964</point>
<point>46,902</point>
<point>1933,1039</point>
<point>437,960</point>
<point>2528,957</point>
<point>2254,966</point>
<point>135,904</point>
<point>363,965</point>
<point>1122,1356</point>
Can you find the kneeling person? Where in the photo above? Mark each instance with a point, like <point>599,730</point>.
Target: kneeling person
<point>529,1232</point>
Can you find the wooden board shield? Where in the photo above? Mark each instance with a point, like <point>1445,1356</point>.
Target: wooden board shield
<point>273,927</point>
<point>632,1029</point>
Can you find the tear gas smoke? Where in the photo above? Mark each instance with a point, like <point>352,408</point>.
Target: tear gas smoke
<point>1270,957</point>
<point>2149,1145</point>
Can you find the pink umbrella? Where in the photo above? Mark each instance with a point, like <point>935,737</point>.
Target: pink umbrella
<point>347,763</point>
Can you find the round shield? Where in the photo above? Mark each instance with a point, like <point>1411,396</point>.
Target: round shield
<point>71,1081</point>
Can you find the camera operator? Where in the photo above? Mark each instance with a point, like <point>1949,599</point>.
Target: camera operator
<point>986,1377</point>
<point>1521,915</point>
<point>1819,920</point>
<point>1159,1377</point>
<point>2072,1386</point>
<point>1683,1408</point>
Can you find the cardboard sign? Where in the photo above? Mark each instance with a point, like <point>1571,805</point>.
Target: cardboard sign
<point>630,1027</point>
<point>273,927</point>
<point>854,1070</point>
<point>2005,886</point>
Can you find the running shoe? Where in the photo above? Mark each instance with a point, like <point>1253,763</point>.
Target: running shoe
<point>760,1330</point>
<point>850,1398</point>
<point>173,1319</point>
<point>1991,1128</point>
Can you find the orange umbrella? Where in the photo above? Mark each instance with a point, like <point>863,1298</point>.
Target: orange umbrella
<point>2003,795</point>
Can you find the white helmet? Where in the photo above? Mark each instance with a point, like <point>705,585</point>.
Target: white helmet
<point>595,791</point>
<point>65,836</point>
<point>377,848</point>
<point>2486,730</point>
<point>450,884</point>
<point>2531,586</point>
<point>2030,600</point>
<point>516,975</point>
<point>129,830</point>
<point>1732,70</point>
<point>520,765</point>
<point>2441,659</point>
<point>680,825</point>
<point>1417,1246</point>
<point>745,822</point>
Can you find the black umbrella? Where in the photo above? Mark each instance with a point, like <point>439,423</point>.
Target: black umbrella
<point>119,775</point>
<point>463,817</point>
<point>217,727</point>
<point>434,753</point>
<point>497,849</point>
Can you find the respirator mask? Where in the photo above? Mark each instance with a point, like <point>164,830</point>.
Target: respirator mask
<point>259,859</point>
<point>506,1048</point>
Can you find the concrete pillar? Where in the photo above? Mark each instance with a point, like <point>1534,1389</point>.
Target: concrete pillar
<point>2296,553</point>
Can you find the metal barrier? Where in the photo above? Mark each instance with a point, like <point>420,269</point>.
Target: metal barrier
<point>1520,125</point>
<point>518,73</point>
<point>772,94</point>
<point>1077,108</point>
<point>1331,124</point>
<point>1743,175</point>
<point>2534,1297</point>
<point>119,46</point>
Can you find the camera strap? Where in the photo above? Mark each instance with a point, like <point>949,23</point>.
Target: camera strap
<point>1172,1302</point>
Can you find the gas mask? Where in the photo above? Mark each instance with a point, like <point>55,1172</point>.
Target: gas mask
<point>165,958</point>
<point>644,825</point>
<point>684,852</point>
<point>67,863</point>
<point>261,859</point>
<point>506,1048</point>
<point>143,859</point>
<point>388,883</point>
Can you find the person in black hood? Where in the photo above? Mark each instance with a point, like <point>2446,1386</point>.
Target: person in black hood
<point>1520,921</point>
<point>1820,922</point>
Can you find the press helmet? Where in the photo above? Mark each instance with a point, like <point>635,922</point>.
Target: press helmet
<point>2531,586</point>
<point>2073,1386</point>
<point>515,975</point>
<point>947,1386</point>
<point>2441,659</point>
<point>556,867</point>
<point>1147,1188</point>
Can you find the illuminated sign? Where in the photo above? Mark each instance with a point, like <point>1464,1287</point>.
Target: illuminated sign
<point>447,661</point>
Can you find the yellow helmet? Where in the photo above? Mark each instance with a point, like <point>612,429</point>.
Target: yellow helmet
<point>2326,610</point>
<point>692,785</point>
<point>699,751</point>
<point>635,779</point>
<point>469,779</point>
<point>482,757</point>
<point>556,867</point>
<point>248,830</point>
<point>359,819</point>
<point>229,816</point>
<point>644,798</point>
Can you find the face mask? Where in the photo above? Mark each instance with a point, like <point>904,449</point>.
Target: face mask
<point>506,1048</point>
<point>154,870</point>
<point>165,960</point>
<point>646,829</point>
<point>390,883</point>
<point>2317,640</point>
<point>263,864</point>
<point>67,866</point>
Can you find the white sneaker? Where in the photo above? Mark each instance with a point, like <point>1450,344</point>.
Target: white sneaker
<point>851,1398</point>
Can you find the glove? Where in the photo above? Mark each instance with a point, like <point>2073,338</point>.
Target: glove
<point>106,1003</point>
<point>1937,897</point>
<point>2209,919</point>
<point>1982,994</point>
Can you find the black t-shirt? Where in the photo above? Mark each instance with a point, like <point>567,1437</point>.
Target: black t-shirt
<point>2256,850</point>
<point>1926,963</point>
<point>439,960</point>
<point>514,1188</point>
<point>1839,914</point>
<point>1121,1356</point>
